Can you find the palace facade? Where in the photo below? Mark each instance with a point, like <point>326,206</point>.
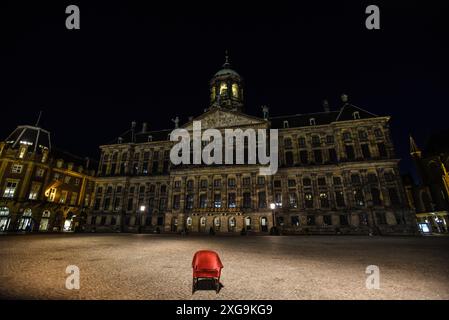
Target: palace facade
<point>338,174</point>
<point>41,189</point>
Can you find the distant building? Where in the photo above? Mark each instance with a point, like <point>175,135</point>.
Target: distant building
<point>41,189</point>
<point>338,174</point>
<point>430,195</point>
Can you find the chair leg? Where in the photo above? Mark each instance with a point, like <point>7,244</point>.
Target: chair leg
<point>217,285</point>
<point>193,286</point>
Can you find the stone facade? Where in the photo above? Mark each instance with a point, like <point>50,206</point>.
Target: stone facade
<point>42,189</point>
<point>338,174</point>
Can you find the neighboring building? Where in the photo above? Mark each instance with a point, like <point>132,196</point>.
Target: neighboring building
<point>430,196</point>
<point>41,189</point>
<point>338,174</point>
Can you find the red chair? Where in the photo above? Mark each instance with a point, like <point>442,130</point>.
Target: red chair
<point>206,264</point>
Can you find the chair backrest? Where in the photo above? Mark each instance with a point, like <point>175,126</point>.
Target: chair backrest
<point>206,259</point>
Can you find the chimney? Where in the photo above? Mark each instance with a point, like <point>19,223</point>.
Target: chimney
<point>326,106</point>
<point>144,127</point>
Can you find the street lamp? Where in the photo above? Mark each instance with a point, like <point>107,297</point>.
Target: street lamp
<point>273,213</point>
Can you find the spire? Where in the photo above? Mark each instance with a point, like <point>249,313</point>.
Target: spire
<point>227,64</point>
<point>414,150</point>
<point>38,119</point>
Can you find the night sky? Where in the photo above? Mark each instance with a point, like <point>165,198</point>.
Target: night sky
<point>152,63</point>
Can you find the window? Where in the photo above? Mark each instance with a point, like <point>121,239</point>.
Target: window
<point>162,204</point>
<point>16,168</point>
<point>363,135</point>
<point>278,200</point>
<point>295,221</point>
<point>52,194</point>
<point>375,194</point>
<point>322,181</point>
<point>217,200</point>
<point>285,124</point>
<point>203,201</point>
<point>63,197</point>
<point>130,204</point>
<point>223,88</point>
<point>287,143</point>
<point>337,181</point>
<point>347,136</point>
<point>344,220</point>
<point>333,155</point>
<point>394,198</point>
<point>22,151</point>
<point>262,200</point>
<point>359,198</point>
<point>324,200</point>
<point>372,178</point>
<point>355,178</point>
<point>231,182</point>
<point>363,219</point>
<point>10,189</point>
<point>312,121</point>
<point>177,184</point>
<point>217,183</point>
<point>152,188</point>
<point>378,133</point>
<point>308,200</point>
<point>304,156</point>
<point>246,181</point>
<point>34,191</point>
<point>260,180</point>
<point>77,182</point>
<point>365,151</point>
<point>289,158</point>
<point>117,204</point>
<point>67,179</point>
<point>231,200</point>
<point>316,141</point>
<point>163,189</point>
<point>306,182</point>
<point>356,115</point>
<point>302,142</point>
<point>292,200</point>
<point>155,167</point>
<point>40,173</point>
<point>318,156</point>
<point>277,184</point>
<point>73,198</point>
<point>203,184</point>
<point>330,139</point>
<point>382,150</point>
<point>291,183</point>
<point>246,200</point>
<point>310,220</point>
<point>176,201</point>
<point>327,220</point>
<point>350,155</point>
<point>189,202</point>
<point>340,199</point>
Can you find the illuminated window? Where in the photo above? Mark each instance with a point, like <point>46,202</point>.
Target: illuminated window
<point>52,195</point>
<point>23,150</point>
<point>10,189</point>
<point>189,221</point>
<point>235,90</point>
<point>34,192</point>
<point>203,221</point>
<point>223,88</point>
<point>17,168</point>
<point>63,197</point>
<point>73,198</point>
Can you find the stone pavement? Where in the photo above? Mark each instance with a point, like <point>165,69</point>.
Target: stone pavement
<point>137,266</point>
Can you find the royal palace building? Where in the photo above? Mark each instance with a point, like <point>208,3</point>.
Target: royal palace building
<point>338,174</point>
<point>42,189</point>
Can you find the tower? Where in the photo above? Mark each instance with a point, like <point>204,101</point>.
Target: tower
<point>226,88</point>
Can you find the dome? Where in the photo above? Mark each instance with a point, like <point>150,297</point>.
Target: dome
<point>226,72</point>
<point>33,136</point>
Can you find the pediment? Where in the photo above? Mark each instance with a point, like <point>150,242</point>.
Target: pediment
<point>219,118</point>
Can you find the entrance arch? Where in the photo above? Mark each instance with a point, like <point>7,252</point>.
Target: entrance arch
<point>5,219</point>
<point>68,222</point>
<point>202,224</point>
<point>26,221</point>
<point>217,223</point>
<point>264,224</point>
<point>247,223</point>
<point>231,224</point>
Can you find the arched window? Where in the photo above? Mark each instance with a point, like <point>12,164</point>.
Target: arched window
<point>203,221</point>
<point>232,222</point>
<point>189,221</point>
<point>27,213</point>
<point>217,221</point>
<point>248,223</point>
<point>235,90</point>
<point>223,88</point>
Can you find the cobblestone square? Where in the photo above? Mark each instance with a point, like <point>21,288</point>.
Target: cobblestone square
<point>143,266</point>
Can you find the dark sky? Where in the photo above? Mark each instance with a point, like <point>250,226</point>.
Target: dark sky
<point>150,63</point>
